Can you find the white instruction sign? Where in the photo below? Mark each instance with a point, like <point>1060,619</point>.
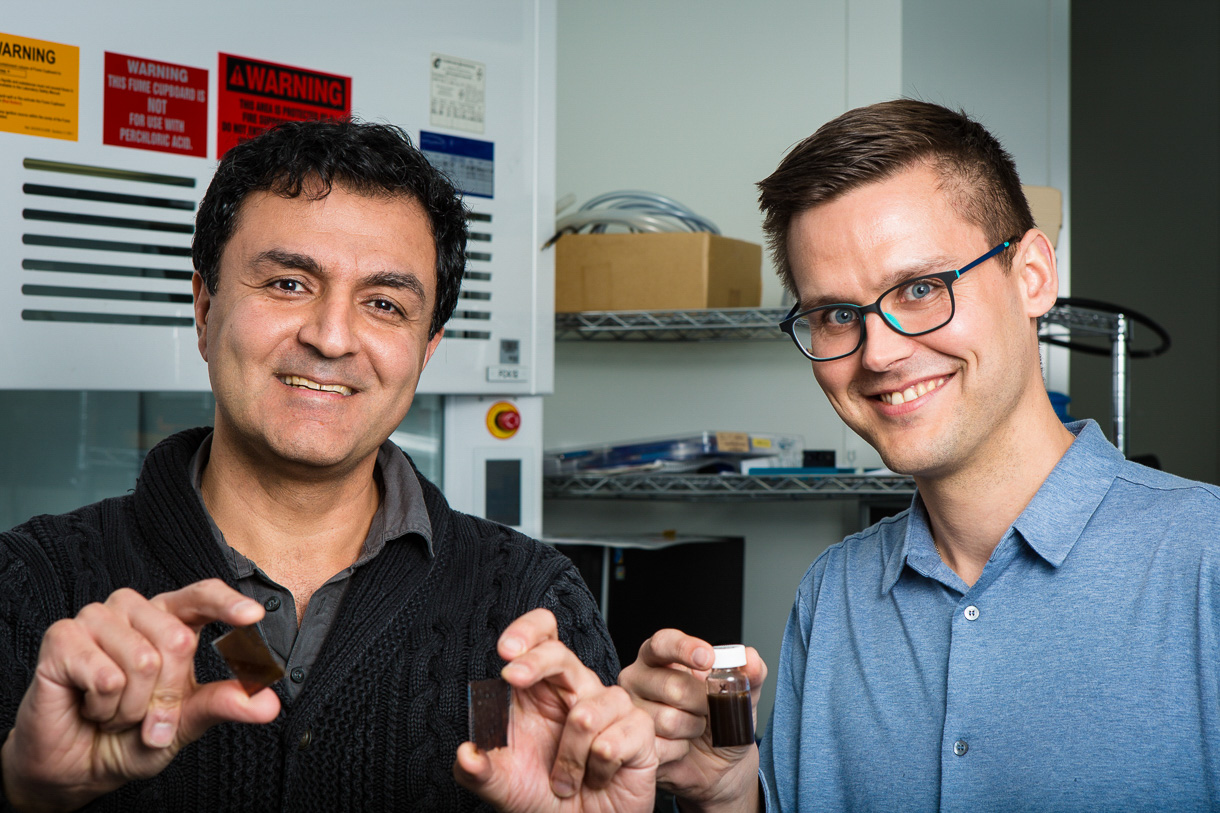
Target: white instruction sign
<point>458,87</point>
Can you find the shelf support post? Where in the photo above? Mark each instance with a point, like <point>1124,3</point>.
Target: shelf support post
<point>1118,359</point>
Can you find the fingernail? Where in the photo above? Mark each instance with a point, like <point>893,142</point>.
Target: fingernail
<point>161,736</point>
<point>562,786</point>
<point>246,605</point>
<point>518,669</point>
<point>703,658</point>
<point>513,646</point>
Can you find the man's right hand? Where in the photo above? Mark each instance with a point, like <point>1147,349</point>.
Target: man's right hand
<point>114,696</point>
<point>668,680</point>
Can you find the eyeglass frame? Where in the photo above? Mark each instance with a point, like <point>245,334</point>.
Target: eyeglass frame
<point>788,323</point>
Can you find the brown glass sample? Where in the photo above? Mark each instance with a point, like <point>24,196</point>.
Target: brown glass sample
<point>487,711</point>
<point>730,718</point>
<point>249,658</point>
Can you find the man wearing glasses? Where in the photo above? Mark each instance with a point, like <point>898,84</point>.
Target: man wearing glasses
<point>1041,629</point>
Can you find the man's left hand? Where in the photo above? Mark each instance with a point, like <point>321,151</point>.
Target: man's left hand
<point>574,744</point>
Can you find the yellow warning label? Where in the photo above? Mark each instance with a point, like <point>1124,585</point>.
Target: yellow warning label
<point>39,87</point>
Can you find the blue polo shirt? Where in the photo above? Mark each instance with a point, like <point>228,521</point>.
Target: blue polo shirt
<point>1081,672</point>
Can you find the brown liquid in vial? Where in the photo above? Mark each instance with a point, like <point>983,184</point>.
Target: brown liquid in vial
<point>730,718</point>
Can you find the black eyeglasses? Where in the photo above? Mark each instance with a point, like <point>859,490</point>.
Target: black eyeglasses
<point>912,308</point>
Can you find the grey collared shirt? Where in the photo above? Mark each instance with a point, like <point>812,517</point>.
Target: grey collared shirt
<point>401,517</point>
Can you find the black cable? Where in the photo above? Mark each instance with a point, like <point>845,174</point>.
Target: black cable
<point>1107,307</point>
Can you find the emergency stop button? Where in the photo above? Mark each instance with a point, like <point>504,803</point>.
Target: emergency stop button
<point>503,420</point>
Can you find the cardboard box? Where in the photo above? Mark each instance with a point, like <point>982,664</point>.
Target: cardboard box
<point>671,271</point>
<point>1046,203</point>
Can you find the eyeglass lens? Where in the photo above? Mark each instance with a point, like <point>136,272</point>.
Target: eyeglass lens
<point>917,306</point>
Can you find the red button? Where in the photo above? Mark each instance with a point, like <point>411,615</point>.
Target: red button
<point>503,420</point>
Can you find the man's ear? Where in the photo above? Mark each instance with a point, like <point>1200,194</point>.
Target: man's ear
<point>1038,275</point>
<point>203,304</point>
<point>432,343</point>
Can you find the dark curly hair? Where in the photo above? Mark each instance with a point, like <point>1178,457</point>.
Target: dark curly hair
<point>310,157</point>
<point>873,143</point>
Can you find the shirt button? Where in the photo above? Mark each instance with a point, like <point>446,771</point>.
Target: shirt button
<point>298,675</point>
<point>971,613</point>
<point>305,740</point>
<point>272,604</point>
<point>960,748</point>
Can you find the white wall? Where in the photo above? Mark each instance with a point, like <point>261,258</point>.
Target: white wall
<point>1008,65</point>
<point>699,101</point>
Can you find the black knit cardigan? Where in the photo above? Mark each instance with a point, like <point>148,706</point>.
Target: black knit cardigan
<point>378,723</point>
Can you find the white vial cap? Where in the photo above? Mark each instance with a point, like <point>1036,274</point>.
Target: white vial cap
<point>729,656</point>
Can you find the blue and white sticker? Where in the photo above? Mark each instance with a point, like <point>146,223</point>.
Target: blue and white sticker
<point>469,163</point>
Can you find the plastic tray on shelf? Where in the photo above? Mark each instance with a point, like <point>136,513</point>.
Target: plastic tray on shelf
<point>693,452</point>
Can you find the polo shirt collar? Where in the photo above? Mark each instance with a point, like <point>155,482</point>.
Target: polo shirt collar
<point>1071,494</point>
<point>915,548</point>
<point>1050,524</point>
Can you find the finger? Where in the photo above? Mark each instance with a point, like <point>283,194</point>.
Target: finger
<point>673,686</point>
<point>670,646</point>
<point>587,719</point>
<point>671,750</point>
<point>531,629</point>
<point>756,672</point>
<point>471,768</point>
<point>555,663</point>
<point>210,600</point>
<point>111,626</point>
<point>175,645</point>
<point>678,723</point>
<point>71,657</point>
<point>224,701</point>
<point>756,668</point>
<point>628,742</point>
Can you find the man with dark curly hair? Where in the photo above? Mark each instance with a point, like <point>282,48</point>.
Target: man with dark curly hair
<point>328,257</point>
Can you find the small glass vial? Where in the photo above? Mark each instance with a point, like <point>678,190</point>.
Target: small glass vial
<point>728,699</point>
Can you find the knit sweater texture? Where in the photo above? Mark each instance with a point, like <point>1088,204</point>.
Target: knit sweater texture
<point>378,723</point>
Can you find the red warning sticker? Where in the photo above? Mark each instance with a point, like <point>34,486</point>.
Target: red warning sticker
<point>150,105</point>
<point>255,96</point>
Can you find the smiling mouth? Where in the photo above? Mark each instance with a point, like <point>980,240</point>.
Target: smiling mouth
<point>305,383</point>
<point>898,398</point>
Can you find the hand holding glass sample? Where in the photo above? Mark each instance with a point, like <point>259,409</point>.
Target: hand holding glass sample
<point>676,680</point>
<point>572,743</point>
<point>116,698</point>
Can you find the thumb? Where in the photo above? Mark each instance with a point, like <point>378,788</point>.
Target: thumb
<point>491,778</point>
<point>472,769</point>
<point>756,668</point>
<point>224,701</point>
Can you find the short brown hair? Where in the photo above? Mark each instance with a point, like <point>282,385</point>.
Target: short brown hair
<point>873,143</point>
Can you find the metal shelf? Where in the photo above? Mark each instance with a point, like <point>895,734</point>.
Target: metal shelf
<point>750,324</point>
<point>726,487</point>
<point>690,325</point>
<point>741,324</point>
<point>1083,320</point>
